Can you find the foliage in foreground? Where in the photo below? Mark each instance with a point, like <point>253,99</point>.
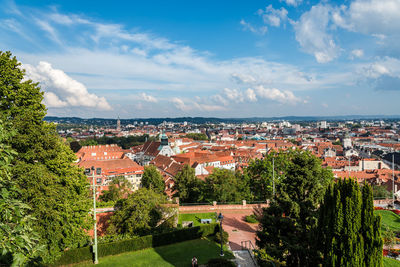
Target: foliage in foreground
<point>43,169</point>
<point>18,241</point>
<point>288,225</point>
<point>348,229</point>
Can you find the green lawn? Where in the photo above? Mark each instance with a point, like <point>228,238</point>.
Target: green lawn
<point>179,254</point>
<point>195,217</point>
<point>388,262</point>
<point>389,219</point>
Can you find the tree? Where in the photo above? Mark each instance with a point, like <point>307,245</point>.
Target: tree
<point>259,174</point>
<point>43,170</point>
<point>139,214</point>
<point>349,232</point>
<point>187,186</point>
<point>18,241</point>
<point>380,191</point>
<point>223,186</point>
<point>118,188</point>
<point>152,179</point>
<point>75,146</point>
<point>288,225</point>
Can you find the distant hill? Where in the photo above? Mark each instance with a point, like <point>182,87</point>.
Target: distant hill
<point>205,120</point>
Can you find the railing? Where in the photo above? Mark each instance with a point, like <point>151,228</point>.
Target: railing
<point>248,245</point>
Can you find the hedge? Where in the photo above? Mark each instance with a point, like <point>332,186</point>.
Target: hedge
<point>113,248</point>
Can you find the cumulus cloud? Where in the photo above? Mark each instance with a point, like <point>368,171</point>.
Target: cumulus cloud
<point>273,17</point>
<point>276,95</point>
<point>233,95</point>
<point>251,95</point>
<point>312,34</point>
<point>61,90</point>
<point>383,74</point>
<point>148,98</point>
<point>370,17</point>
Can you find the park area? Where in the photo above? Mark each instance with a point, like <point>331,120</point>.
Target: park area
<point>389,219</point>
<point>179,254</point>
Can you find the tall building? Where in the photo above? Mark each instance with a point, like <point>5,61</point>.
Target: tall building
<point>118,124</point>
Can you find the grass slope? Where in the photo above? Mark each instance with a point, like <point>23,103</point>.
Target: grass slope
<point>388,262</point>
<point>389,219</point>
<point>195,217</point>
<point>179,254</point>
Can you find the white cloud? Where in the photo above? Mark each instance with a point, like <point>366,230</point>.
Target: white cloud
<point>273,17</point>
<point>61,90</point>
<point>276,95</point>
<point>370,17</point>
<point>251,95</point>
<point>357,53</point>
<point>233,95</point>
<point>194,105</point>
<point>293,2</point>
<point>311,33</point>
<point>148,98</point>
<point>179,104</point>
<point>257,30</point>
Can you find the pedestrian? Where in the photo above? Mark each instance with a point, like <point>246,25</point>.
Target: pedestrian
<point>194,262</point>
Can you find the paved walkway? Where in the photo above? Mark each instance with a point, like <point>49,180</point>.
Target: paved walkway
<point>238,229</point>
<point>243,258</point>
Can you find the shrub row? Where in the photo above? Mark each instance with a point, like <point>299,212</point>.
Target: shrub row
<point>113,248</point>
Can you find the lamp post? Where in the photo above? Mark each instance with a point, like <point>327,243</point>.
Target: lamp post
<point>96,261</point>
<point>220,218</point>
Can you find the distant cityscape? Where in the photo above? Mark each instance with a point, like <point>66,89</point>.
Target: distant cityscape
<point>362,149</point>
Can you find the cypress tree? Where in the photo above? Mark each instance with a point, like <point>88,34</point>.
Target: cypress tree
<point>350,232</point>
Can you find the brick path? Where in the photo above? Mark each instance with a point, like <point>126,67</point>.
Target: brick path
<point>238,229</point>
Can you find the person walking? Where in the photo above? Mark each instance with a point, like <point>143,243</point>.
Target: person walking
<point>194,262</point>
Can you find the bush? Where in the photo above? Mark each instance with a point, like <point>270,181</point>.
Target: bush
<point>138,243</point>
<point>265,260</point>
<point>220,262</point>
<point>251,219</point>
<point>225,237</point>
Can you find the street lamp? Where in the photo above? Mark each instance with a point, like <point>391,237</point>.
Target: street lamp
<point>220,218</point>
<point>96,261</point>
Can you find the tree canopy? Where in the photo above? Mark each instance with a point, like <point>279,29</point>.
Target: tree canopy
<point>152,179</point>
<point>288,225</point>
<point>187,186</point>
<point>141,213</point>
<point>349,232</point>
<point>43,170</point>
<point>117,189</point>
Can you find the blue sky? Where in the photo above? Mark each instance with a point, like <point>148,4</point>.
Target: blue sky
<point>208,58</point>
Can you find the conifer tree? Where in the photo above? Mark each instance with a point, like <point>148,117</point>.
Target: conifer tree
<point>349,231</point>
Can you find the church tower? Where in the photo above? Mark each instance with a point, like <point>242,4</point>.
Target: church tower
<point>118,124</point>
<point>164,139</point>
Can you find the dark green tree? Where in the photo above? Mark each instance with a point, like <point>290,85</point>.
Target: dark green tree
<point>140,214</point>
<point>18,241</point>
<point>258,175</point>
<point>152,179</point>
<point>380,191</point>
<point>349,232</point>
<point>187,186</point>
<point>43,170</point>
<point>118,188</point>
<point>288,226</point>
<point>223,186</point>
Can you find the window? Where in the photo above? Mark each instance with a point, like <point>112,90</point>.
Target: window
<point>98,180</point>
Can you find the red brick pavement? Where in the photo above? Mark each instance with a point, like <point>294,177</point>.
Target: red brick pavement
<point>238,229</point>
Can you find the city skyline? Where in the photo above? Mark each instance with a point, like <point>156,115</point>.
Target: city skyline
<point>264,58</point>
